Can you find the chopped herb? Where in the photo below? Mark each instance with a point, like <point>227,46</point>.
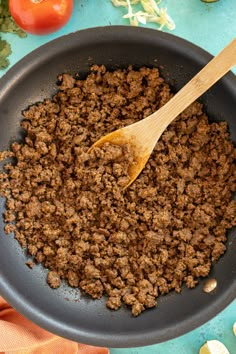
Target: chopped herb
<point>7,24</point>
<point>5,51</point>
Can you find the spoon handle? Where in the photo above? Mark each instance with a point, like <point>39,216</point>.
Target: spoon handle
<point>199,84</point>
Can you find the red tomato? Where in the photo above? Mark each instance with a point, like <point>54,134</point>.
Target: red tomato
<point>41,16</point>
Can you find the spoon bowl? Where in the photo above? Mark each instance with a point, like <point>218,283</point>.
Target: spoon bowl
<point>133,135</point>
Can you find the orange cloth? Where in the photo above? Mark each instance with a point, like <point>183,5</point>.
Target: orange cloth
<point>20,336</point>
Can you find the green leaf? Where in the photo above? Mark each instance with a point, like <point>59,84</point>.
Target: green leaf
<point>5,51</point>
<point>7,24</point>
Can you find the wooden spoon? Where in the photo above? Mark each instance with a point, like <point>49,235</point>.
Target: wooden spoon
<point>143,135</point>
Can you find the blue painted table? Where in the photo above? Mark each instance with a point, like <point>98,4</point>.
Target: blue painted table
<point>210,26</point>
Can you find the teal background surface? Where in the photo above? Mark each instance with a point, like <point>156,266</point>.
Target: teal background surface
<point>210,26</point>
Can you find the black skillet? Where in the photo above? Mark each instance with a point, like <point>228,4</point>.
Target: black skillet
<point>64,311</point>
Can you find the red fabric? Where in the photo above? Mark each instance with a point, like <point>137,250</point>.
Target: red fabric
<point>20,336</point>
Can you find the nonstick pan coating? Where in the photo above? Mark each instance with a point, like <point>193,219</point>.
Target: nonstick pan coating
<point>65,311</point>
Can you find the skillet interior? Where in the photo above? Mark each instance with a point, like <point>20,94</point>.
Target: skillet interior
<point>64,311</point>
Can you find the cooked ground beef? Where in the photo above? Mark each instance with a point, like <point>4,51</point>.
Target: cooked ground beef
<point>69,207</point>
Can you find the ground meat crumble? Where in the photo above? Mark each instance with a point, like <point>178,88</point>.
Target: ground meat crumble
<point>69,207</point>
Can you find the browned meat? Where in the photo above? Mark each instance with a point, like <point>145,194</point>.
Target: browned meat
<point>69,209</point>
